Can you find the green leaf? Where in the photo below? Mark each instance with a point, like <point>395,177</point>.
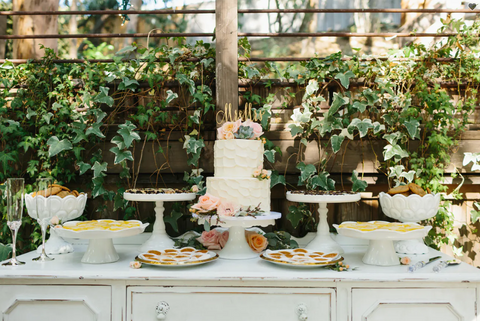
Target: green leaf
<point>172,219</point>
<point>4,159</point>
<point>345,78</point>
<point>58,146</point>
<point>362,125</point>
<point>295,129</point>
<point>294,215</point>
<point>394,151</point>
<point>409,176</point>
<point>96,130</point>
<point>184,79</point>
<point>377,127</point>
<point>103,97</point>
<point>5,251</point>
<point>475,215</point>
<point>99,169</point>
<point>118,201</point>
<point>170,97</point>
<point>337,142</point>
<point>193,145</point>
<point>98,188</point>
<point>323,181</point>
<point>311,88</point>
<point>128,83</point>
<point>84,167</point>
<point>207,62</point>
<point>412,127</point>
<point>275,179</point>
<point>393,137</point>
<point>358,184</point>
<point>270,155</point>
<point>125,50</point>
<point>307,172</point>
<point>338,101</point>
<point>128,134</point>
<point>358,105</point>
<point>121,155</point>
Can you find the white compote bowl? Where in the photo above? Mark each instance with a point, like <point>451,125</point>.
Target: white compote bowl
<point>66,209</point>
<point>380,249</point>
<point>410,209</point>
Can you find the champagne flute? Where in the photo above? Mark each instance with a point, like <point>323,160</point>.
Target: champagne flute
<point>43,214</point>
<point>14,213</point>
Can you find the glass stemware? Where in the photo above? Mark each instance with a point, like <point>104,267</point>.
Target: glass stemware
<point>14,213</point>
<point>43,214</point>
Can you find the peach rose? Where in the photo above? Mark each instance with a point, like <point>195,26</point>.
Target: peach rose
<point>194,188</point>
<point>135,265</point>
<point>257,242</point>
<point>229,135</point>
<point>222,240</point>
<point>257,172</point>
<point>210,240</point>
<point>54,220</point>
<point>405,260</point>
<point>207,203</point>
<point>257,128</point>
<point>231,127</point>
<point>227,209</point>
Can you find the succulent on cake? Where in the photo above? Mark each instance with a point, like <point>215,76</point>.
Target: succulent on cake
<point>261,174</point>
<point>239,130</point>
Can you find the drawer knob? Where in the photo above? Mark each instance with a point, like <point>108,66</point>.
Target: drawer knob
<point>302,312</point>
<point>162,309</point>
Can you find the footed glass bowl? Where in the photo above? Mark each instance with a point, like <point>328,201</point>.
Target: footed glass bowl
<point>66,209</point>
<point>410,209</point>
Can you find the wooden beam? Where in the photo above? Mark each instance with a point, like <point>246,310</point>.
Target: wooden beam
<point>227,54</point>
<point>3,31</point>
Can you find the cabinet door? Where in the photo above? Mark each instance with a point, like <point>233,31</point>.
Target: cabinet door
<point>439,304</point>
<point>232,304</point>
<point>55,303</point>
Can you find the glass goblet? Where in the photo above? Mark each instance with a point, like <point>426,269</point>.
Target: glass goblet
<point>43,213</point>
<point>14,213</point>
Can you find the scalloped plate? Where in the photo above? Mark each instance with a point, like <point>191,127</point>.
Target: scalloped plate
<point>100,234</point>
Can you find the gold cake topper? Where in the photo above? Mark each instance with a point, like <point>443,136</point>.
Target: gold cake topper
<point>226,115</point>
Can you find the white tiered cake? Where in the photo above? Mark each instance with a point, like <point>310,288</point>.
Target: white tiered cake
<point>235,162</point>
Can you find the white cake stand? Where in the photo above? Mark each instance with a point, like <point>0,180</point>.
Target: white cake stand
<point>237,247</point>
<point>380,249</point>
<point>159,239</point>
<point>323,241</point>
<point>100,246</point>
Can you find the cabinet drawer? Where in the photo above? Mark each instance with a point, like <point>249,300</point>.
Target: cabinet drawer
<point>55,303</point>
<point>435,304</point>
<point>233,304</point>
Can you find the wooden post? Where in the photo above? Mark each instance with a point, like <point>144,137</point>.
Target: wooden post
<point>227,54</point>
<point>3,31</point>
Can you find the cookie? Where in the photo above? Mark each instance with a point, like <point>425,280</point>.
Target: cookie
<point>429,191</point>
<point>49,191</point>
<point>398,190</point>
<point>417,189</point>
<point>62,194</point>
<point>406,194</point>
<point>74,193</point>
<point>62,187</point>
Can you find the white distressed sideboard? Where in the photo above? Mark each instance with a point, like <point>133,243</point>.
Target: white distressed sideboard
<point>242,290</point>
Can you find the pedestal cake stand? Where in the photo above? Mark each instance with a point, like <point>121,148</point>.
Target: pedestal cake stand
<point>237,247</point>
<point>380,247</point>
<point>323,241</point>
<point>159,239</point>
<point>100,246</point>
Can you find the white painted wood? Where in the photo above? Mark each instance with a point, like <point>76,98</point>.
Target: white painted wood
<point>234,304</point>
<point>55,303</point>
<point>414,304</point>
<point>236,290</point>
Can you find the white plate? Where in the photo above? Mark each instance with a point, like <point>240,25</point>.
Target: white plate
<point>283,260</point>
<point>100,234</point>
<point>208,256</point>
<point>302,198</point>
<point>159,197</point>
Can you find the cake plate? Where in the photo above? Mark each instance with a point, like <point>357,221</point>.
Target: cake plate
<point>380,248</point>
<point>100,246</point>
<point>237,247</point>
<point>159,239</point>
<point>323,242</point>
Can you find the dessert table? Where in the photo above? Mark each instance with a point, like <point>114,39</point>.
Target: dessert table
<point>253,289</point>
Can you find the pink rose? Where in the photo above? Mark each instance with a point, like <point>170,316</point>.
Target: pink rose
<point>207,203</point>
<point>229,135</point>
<point>257,128</point>
<point>227,209</point>
<point>405,260</point>
<point>222,240</point>
<point>231,127</point>
<point>220,133</point>
<point>210,240</point>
